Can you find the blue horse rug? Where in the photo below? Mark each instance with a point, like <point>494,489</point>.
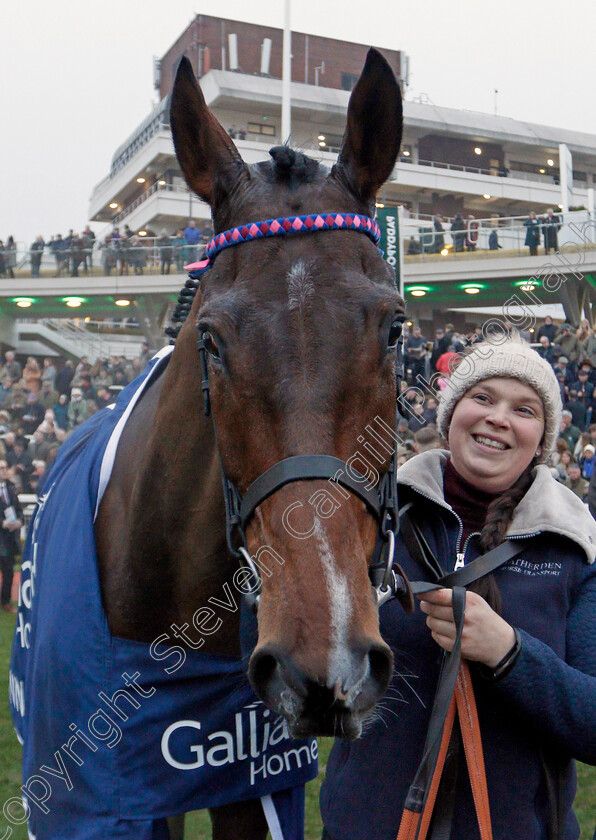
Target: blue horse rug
<point>119,735</point>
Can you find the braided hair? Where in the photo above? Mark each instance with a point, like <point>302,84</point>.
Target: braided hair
<point>498,518</point>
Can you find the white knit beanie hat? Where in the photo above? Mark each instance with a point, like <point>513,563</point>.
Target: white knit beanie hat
<point>512,358</point>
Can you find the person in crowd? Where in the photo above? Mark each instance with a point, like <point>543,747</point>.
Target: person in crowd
<point>180,252</point>
<point>2,259</point>
<point>77,411</point>
<point>551,224</point>
<point>427,438</point>
<point>61,412</point>
<point>122,252</point>
<point>11,517</point>
<point>548,329</point>
<point>588,344</point>
<point>532,240</point>
<point>472,233</point>
<point>32,374</point>
<point>404,433</point>
<point>104,397</point>
<point>35,254</point>
<point>562,366</point>
<point>10,367</point>
<point>579,411</point>
<point>87,388</point>
<point>5,391</point>
<point>564,462</point>
<point>77,254</point>
<point>414,246</point>
<point>18,402</point>
<point>568,431</point>
<point>88,244</point>
<point>192,237</point>
<point>19,463</point>
<point>493,241</point>
<point>415,348</point>
<point>587,461</point>
<point>39,446</point>
<point>416,420</point>
<point>458,232</point>
<point>48,374</point>
<point>430,410</point>
<point>34,413</point>
<point>531,623</point>
<point>439,236</point>
<point>165,251</point>
<point>452,338</point>
<point>59,248</point>
<point>10,256</point>
<point>146,353</point>
<point>546,350</point>
<point>36,479</point>
<point>568,341</point>
<point>583,386</point>
<point>583,331</point>
<point>64,377</point>
<point>127,233</point>
<point>108,255</point>
<point>575,482</point>
<point>137,254</point>
<point>438,347</point>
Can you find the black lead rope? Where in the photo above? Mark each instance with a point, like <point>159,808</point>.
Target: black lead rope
<point>421,552</point>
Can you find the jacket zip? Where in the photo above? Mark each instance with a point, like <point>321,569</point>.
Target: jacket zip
<point>460,555</point>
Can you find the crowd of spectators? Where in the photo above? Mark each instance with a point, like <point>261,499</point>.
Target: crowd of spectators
<point>464,234</point>
<point>572,354</point>
<point>122,250</point>
<point>41,402</point>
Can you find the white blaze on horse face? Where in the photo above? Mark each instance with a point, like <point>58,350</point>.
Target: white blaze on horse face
<point>301,287</point>
<point>340,666</point>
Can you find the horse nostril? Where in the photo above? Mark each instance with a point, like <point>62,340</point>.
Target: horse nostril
<point>381,665</point>
<point>262,671</point>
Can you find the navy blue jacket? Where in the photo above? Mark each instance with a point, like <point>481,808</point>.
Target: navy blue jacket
<point>546,704</point>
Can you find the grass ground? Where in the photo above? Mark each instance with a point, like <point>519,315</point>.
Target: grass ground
<point>198,823</point>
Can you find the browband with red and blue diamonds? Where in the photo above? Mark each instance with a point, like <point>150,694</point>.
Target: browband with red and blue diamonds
<point>281,227</point>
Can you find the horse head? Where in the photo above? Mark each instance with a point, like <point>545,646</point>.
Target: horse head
<point>301,333</point>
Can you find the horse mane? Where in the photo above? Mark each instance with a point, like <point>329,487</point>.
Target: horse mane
<point>182,308</point>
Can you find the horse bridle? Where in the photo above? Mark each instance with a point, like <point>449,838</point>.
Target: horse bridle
<point>386,577</point>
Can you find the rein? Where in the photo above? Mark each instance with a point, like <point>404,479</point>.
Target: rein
<point>424,812</point>
<point>381,501</point>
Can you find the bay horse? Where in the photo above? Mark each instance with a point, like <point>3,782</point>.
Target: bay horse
<point>296,359</point>
<point>300,361</point>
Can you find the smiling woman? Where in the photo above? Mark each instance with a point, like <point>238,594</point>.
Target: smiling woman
<point>527,626</point>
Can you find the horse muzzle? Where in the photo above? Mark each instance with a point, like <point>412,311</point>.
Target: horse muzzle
<point>334,704</point>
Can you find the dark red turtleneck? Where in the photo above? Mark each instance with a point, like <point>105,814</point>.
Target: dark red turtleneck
<point>467,501</point>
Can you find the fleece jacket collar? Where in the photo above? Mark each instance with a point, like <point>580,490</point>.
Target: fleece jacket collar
<point>547,506</point>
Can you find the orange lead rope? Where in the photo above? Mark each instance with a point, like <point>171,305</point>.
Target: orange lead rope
<point>415,823</point>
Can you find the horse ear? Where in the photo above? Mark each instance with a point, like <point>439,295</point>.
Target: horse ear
<point>209,159</point>
<point>373,131</point>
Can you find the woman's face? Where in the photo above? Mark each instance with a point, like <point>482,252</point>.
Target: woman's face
<point>495,431</point>
<point>566,458</point>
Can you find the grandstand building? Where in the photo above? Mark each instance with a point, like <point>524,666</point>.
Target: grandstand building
<point>452,161</point>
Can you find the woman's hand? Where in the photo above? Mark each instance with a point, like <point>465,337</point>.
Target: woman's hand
<point>486,637</point>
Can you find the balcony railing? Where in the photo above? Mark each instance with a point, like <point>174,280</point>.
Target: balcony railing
<point>154,255</point>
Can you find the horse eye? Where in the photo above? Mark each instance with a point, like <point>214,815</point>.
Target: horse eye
<point>395,331</point>
<point>210,344</point>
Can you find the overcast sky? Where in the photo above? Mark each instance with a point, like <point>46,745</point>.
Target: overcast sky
<point>77,78</point>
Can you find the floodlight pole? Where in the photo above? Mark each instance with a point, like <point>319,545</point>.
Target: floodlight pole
<point>286,102</point>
